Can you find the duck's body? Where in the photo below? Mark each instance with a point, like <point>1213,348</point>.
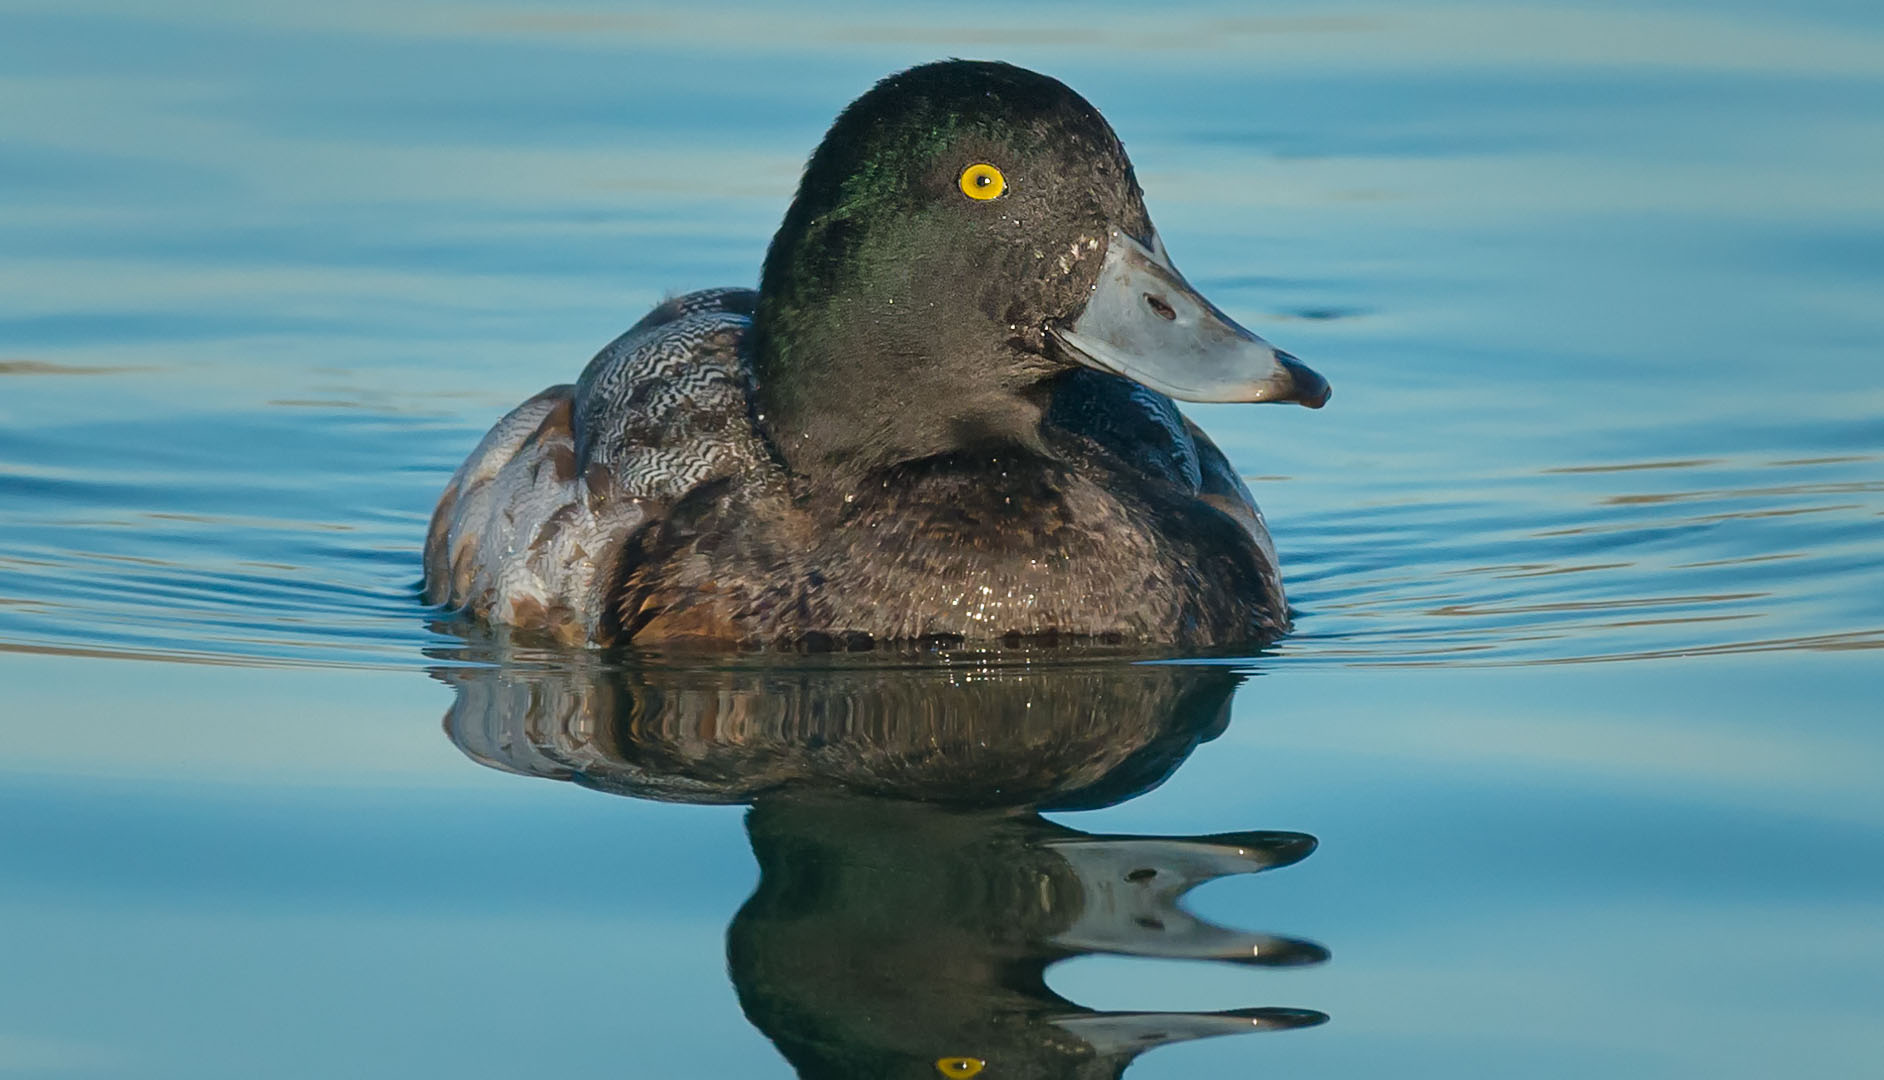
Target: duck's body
<point>643,502</point>
<point>844,474</point>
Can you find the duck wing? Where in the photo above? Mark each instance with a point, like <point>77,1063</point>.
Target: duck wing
<point>1146,429</point>
<point>530,529</point>
<point>1221,487</point>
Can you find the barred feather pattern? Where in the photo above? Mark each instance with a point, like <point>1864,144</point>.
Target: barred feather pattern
<point>529,531</point>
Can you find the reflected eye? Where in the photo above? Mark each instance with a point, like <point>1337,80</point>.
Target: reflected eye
<point>965,1067</point>
<point>981,181</point>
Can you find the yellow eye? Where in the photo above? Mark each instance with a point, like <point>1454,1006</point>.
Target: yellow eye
<point>981,181</point>
<point>965,1067</point>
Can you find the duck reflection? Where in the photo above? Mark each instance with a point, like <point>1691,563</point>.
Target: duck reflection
<point>911,897</point>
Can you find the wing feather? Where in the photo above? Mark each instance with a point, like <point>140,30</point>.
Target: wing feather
<point>530,529</point>
<point>1146,428</point>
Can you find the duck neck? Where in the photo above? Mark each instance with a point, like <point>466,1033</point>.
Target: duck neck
<point>843,399</point>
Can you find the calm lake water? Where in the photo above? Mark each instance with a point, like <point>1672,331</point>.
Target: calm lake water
<point>1583,707</point>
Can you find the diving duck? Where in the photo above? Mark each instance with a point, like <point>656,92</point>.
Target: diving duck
<point>945,417</point>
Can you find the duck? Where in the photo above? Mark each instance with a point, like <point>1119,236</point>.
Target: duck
<point>946,418</point>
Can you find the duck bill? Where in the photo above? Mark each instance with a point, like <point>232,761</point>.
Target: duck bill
<point>1145,322</point>
<point>1133,1033</point>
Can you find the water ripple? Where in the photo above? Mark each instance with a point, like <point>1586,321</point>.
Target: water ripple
<point>1592,562</point>
<point>278,538</point>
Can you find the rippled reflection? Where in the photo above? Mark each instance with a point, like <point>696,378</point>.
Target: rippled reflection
<point>911,897</point>
<point>1630,560</point>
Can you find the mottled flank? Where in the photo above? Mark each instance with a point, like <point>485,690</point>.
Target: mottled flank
<point>529,531</point>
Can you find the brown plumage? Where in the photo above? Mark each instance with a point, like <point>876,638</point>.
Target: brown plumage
<point>679,526</point>
<point>942,418</point>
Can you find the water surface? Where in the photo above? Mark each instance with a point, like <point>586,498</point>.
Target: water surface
<point>1581,707</point>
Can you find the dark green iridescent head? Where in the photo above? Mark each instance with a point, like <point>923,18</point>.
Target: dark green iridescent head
<point>899,317</point>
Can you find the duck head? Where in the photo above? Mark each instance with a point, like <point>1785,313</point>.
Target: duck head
<point>966,233</point>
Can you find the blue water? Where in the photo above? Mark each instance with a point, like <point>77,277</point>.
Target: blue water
<point>1582,706</point>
